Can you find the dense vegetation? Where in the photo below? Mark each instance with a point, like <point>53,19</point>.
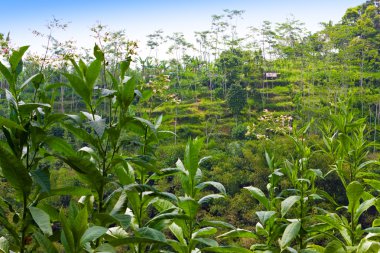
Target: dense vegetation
<point>100,151</point>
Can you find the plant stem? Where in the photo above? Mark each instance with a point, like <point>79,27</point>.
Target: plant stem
<point>23,228</point>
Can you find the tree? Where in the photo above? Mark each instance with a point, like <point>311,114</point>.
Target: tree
<point>236,99</point>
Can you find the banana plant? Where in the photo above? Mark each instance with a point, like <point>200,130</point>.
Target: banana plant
<point>191,235</point>
<point>22,156</point>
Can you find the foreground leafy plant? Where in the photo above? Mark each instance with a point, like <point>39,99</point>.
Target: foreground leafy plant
<point>345,140</point>
<point>190,234</point>
<point>22,156</point>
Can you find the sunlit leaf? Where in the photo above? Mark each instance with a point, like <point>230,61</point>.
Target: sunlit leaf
<point>42,219</point>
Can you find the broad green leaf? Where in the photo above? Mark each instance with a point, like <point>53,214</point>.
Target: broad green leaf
<point>36,79</point>
<point>264,216</point>
<point>85,169</point>
<point>373,183</point>
<point>10,124</point>
<point>313,248</point>
<point>292,250</point>
<point>177,232</point>
<point>108,93</point>
<point>215,223</point>
<point>92,73</point>
<point>99,126</point>
<point>11,99</point>
<point>161,205</point>
<point>50,210</point>
<point>124,66</point>
<point>29,107</point>
<point>192,155</point>
<point>208,198</point>
<point>258,195</point>
<point>363,207</point>
<point>16,56</point>
<point>54,118</point>
<point>99,55</point>
<point>139,188</point>
<point>126,92</point>
<point>375,230</point>
<point>290,233</point>
<point>8,76</point>
<point>44,243</point>
<point>123,219</point>
<point>66,234</point>
<point>14,171</point>
<point>11,141</point>
<point>82,66</point>
<point>354,192</point>
<point>158,122</point>
<point>92,234</point>
<point>366,163</point>
<point>42,219</point>
<point>176,246</point>
<point>125,173</point>
<point>368,246</point>
<point>78,218</point>
<point>119,203</point>
<point>147,123</point>
<point>206,241</point>
<point>65,244</point>
<point>80,87</point>
<point>148,163</point>
<point>204,231</point>
<point>105,248</point>
<point>335,247</point>
<point>116,233</point>
<point>189,206</point>
<point>146,95</point>
<point>59,145</point>
<point>42,177</point>
<point>238,233</point>
<point>287,203</point>
<point>181,167</point>
<point>376,222</point>
<point>165,172</point>
<point>215,185</point>
<point>77,68</point>
<point>81,134</point>
<point>115,82</point>
<point>260,230</point>
<point>331,219</point>
<point>150,233</point>
<point>269,161</point>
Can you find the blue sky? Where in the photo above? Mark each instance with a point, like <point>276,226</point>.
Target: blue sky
<point>141,17</point>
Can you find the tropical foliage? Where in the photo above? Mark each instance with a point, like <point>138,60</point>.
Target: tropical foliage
<point>101,150</point>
